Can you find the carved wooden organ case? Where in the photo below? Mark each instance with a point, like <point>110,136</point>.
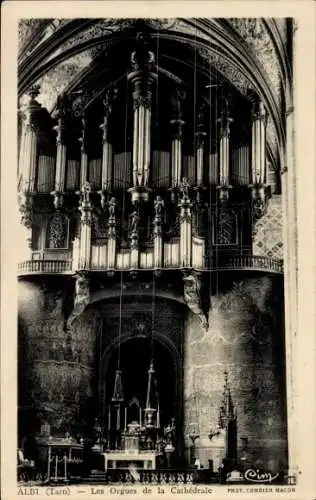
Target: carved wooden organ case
<point>156,173</point>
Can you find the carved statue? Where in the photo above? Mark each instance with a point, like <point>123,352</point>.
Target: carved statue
<point>192,297</point>
<point>112,207</point>
<point>184,188</point>
<point>134,222</point>
<point>82,292</point>
<point>81,299</point>
<point>86,190</point>
<point>170,433</point>
<point>158,205</point>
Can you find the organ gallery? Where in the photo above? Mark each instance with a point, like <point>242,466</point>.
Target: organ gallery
<point>154,182</point>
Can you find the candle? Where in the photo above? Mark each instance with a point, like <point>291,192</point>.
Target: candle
<point>118,421</point>
<point>56,466</point>
<point>158,418</point>
<point>140,416</point>
<point>65,466</point>
<point>125,424</point>
<point>109,419</point>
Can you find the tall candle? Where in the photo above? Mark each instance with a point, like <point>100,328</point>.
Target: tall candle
<point>118,421</point>
<point>49,461</point>
<point>65,466</point>
<point>158,418</point>
<point>125,424</point>
<point>140,416</point>
<point>56,467</point>
<point>109,419</point>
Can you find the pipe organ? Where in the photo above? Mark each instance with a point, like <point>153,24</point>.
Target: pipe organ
<point>172,192</point>
<point>152,231</point>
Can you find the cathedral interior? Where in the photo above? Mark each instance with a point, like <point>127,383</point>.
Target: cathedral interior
<point>155,187</point>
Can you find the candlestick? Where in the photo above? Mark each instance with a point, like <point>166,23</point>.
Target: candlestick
<point>140,416</point>
<point>125,420</point>
<point>109,419</point>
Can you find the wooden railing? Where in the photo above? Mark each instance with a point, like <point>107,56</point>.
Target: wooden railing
<point>247,262</point>
<point>251,262</point>
<point>45,267</point>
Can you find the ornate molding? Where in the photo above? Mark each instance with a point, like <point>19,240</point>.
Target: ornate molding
<point>259,202</point>
<point>192,296</point>
<point>25,202</point>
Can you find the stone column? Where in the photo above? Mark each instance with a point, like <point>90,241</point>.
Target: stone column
<point>142,79</point>
<point>245,338</point>
<point>224,152</point>
<point>62,113</point>
<point>85,228</point>
<point>290,245</point>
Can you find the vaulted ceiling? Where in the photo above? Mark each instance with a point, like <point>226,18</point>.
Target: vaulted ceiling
<point>83,56</point>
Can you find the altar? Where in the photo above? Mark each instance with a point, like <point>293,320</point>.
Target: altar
<point>135,452</point>
<point>121,459</point>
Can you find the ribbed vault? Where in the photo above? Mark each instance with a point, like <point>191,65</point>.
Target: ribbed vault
<point>83,56</point>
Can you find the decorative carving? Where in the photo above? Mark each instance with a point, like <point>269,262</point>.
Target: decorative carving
<point>85,204</point>
<point>259,202</point>
<point>184,189</point>
<point>98,228</point>
<point>134,223</point>
<point>192,296</point>
<point>142,100</point>
<point>260,44</point>
<point>142,58</point>
<point>81,299</point>
<point>225,227</point>
<point>112,207</point>
<point>58,200</point>
<point>108,100</point>
<point>84,136</point>
<point>25,202</point>
<point>57,231</point>
<point>158,205</point>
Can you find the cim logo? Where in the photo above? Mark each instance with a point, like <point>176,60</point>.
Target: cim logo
<point>257,476</point>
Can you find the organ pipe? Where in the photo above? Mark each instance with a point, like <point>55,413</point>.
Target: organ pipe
<point>61,152</point>
<point>177,124</point>
<point>28,147</point>
<point>142,79</point>
<point>258,146</point>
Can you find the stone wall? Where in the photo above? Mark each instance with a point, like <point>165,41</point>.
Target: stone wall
<point>56,367</point>
<point>268,231</point>
<point>245,337</point>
